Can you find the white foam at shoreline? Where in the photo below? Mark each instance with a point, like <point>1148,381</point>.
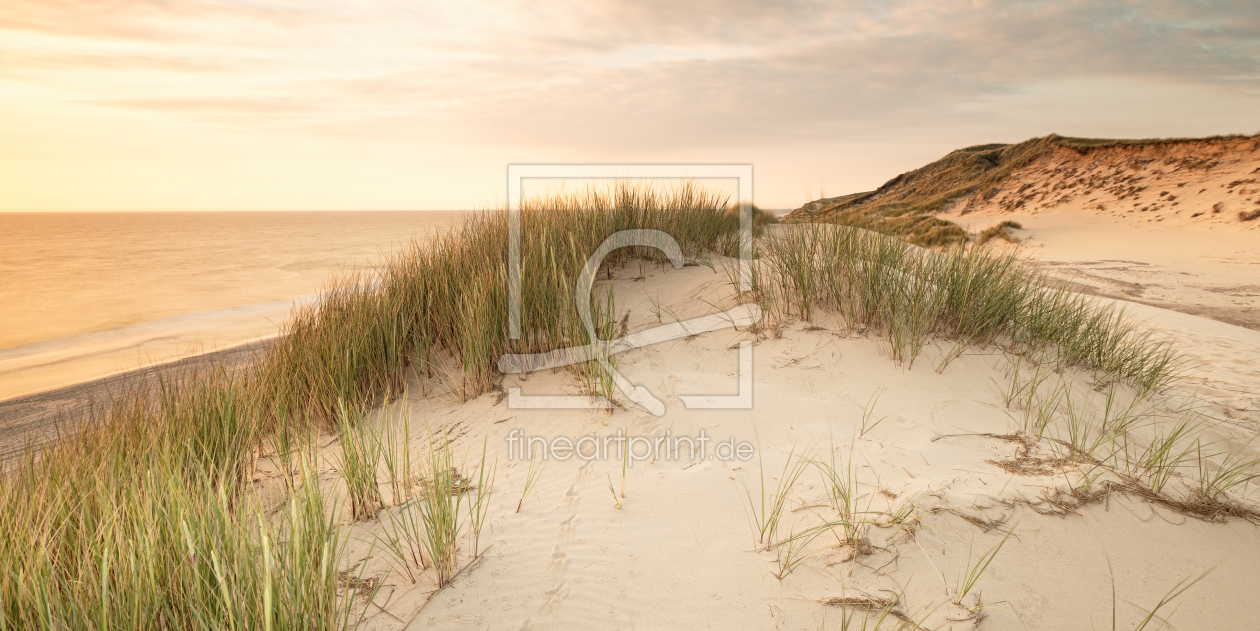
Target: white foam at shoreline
<point>74,359</point>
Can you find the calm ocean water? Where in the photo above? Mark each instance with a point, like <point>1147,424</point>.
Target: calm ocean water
<point>84,295</point>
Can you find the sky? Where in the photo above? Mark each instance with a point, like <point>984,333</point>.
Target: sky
<point>391,104</point>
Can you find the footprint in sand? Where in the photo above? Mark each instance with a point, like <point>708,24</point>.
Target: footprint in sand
<point>558,566</point>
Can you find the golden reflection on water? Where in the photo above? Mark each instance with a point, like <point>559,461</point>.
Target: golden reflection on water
<point>83,295</point>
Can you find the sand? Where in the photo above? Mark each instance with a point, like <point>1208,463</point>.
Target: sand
<point>1160,225</point>
<point>681,551</point>
<point>1184,259</point>
<point>37,418</point>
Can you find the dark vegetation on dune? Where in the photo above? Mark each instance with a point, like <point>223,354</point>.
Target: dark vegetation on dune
<point>904,205</point>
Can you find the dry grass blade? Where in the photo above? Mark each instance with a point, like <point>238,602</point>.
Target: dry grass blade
<point>536,465</point>
<point>971,573</point>
<point>886,611</point>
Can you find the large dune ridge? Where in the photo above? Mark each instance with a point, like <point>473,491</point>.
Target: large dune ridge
<point>1210,181</point>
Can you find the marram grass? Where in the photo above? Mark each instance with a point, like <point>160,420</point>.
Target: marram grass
<point>970,296</point>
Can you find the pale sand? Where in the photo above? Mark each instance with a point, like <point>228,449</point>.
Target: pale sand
<point>1206,265</point>
<point>1158,225</point>
<point>681,553</point>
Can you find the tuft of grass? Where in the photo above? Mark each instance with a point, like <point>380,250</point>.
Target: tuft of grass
<point>1234,472</point>
<point>625,461</point>
<point>536,465</point>
<point>840,482</point>
<point>479,505</point>
<point>970,573</point>
<point>791,552</point>
<point>767,512</point>
<point>999,231</point>
<point>868,411</point>
<point>360,459</point>
<point>404,539</point>
<point>440,508</point>
<point>1165,454</point>
<point>975,296</point>
<point>613,490</point>
<point>394,446</point>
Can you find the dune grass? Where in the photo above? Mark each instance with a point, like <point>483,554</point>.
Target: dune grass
<point>767,510</point>
<point>974,568</point>
<point>537,462</point>
<point>440,506</point>
<point>971,296</point>
<point>448,299</point>
<point>361,454</point>
<point>999,231</point>
<point>138,521</point>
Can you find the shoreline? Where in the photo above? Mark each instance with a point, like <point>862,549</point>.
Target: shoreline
<point>35,416</point>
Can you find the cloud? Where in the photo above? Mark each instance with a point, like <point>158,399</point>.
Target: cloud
<point>622,76</point>
<point>32,65</point>
<point>160,20</point>
<point>637,75</point>
<point>229,106</point>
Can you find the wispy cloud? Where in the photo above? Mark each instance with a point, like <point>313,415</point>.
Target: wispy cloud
<point>153,20</point>
<point>616,76</point>
<point>639,72</point>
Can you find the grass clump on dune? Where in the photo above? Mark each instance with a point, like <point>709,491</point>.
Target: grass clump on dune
<point>971,296</point>
<point>139,521</point>
<point>443,307</point>
<point>999,231</point>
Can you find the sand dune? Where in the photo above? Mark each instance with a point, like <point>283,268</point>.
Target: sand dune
<point>932,481</point>
<point>1210,181</point>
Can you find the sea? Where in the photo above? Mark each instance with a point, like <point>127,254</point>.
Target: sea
<point>85,295</point>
